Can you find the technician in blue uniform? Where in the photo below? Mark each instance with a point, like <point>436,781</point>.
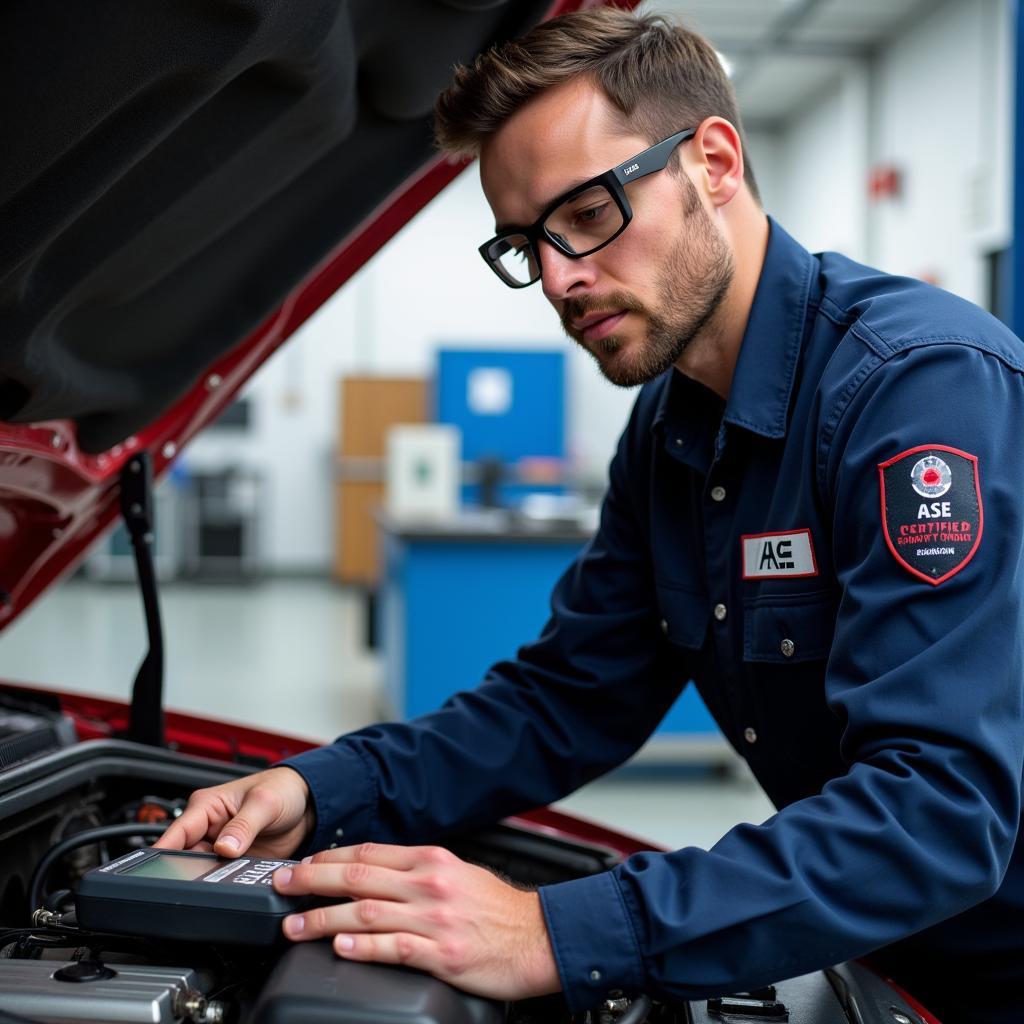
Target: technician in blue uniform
<point>815,513</point>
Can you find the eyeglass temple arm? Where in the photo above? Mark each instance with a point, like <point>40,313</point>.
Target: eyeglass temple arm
<point>651,160</point>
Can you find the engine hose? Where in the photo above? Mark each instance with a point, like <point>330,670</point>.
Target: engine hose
<point>92,835</point>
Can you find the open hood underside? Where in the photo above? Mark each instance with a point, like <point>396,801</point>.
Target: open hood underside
<point>185,183</point>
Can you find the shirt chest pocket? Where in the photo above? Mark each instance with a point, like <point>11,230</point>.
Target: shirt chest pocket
<point>789,628</point>
<point>684,615</point>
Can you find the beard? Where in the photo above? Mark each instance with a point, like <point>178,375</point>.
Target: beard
<point>691,287</point>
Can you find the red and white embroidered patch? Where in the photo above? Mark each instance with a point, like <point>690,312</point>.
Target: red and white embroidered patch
<point>931,510</point>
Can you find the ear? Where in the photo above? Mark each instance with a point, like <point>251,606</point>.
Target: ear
<point>719,153</point>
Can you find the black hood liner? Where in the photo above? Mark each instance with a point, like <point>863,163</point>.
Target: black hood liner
<point>173,169</point>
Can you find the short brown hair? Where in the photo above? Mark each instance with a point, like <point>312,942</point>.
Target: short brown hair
<point>661,76</point>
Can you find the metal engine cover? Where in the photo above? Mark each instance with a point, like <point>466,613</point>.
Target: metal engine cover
<point>135,993</point>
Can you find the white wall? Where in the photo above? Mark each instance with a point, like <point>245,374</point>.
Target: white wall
<point>762,151</point>
<point>941,111</point>
<point>935,103</point>
<point>818,190</point>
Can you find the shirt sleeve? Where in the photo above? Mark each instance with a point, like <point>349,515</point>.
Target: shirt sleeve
<point>568,707</point>
<point>927,681</point>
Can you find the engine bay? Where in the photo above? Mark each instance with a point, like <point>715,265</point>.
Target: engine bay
<point>65,812</point>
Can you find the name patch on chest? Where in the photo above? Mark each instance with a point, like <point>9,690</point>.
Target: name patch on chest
<point>774,555</point>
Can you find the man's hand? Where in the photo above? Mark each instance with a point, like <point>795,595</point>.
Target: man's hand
<point>267,814</point>
<point>423,907</point>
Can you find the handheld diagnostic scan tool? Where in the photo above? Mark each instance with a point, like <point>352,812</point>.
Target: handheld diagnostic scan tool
<point>192,897</point>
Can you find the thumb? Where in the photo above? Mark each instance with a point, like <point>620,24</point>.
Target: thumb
<point>234,839</point>
<point>255,814</point>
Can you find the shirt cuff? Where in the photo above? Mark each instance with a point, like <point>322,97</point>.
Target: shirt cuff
<point>593,940</point>
<point>344,795</point>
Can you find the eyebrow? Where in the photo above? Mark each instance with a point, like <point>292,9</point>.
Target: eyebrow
<point>500,229</point>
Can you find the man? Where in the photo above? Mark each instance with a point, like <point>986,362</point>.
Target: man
<point>814,512</point>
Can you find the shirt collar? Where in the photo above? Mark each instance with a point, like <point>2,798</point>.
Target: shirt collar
<point>766,367</point>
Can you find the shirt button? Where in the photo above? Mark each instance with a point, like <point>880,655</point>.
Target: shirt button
<point>595,975</point>
<point>664,626</point>
<point>720,612</point>
<point>679,442</point>
<point>788,648</point>
<point>750,735</point>
<point>718,494</point>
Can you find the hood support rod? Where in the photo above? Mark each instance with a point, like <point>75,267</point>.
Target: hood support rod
<point>146,718</point>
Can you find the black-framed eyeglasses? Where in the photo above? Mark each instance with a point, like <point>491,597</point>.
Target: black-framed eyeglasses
<point>583,220</point>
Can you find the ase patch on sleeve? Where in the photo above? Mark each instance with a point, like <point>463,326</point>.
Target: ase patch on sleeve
<point>931,510</point>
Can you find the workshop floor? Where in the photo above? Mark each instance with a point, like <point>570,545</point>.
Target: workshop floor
<point>291,656</point>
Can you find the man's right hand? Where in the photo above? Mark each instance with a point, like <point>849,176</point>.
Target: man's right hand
<point>268,814</point>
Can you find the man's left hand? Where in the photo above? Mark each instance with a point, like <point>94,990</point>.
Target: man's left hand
<point>422,907</point>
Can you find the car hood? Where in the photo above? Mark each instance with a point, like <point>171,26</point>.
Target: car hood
<point>185,183</point>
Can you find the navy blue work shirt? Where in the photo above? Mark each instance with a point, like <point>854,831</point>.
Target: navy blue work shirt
<point>834,556</point>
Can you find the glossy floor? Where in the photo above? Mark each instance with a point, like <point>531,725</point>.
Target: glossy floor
<point>291,656</point>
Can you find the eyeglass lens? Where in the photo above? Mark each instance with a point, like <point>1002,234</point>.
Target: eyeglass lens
<point>513,256</point>
<point>585,221</point>
<point>582,223</point>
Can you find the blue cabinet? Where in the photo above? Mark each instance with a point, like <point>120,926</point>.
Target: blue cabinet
<point>458,597</point>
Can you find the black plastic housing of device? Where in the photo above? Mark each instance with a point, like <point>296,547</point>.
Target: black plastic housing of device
<point>185,911</point>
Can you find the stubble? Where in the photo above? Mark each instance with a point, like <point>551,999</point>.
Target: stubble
<point>692,285</point>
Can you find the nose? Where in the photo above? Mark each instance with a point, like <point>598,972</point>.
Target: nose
<point>562,277</point>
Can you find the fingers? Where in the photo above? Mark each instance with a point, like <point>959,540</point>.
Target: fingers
<point>398,948</point>
<point>398,858</point>
<point>358,880</point>
<point>193,827</point>
<point>425,908</point>
<point>371,870</point>
<point>388,893</point>
<point>261,807</point>
<point>356,915</point>
<point>175,838</point>
<point>233,815</point>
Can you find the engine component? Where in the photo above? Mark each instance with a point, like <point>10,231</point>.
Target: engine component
<point>27,730</point>
<point>310,985</point>
<point>848,993</point>
<point>35,889</point>
<point>86,991</point>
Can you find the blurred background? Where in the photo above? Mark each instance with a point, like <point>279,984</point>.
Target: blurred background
<point>383,511</point>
